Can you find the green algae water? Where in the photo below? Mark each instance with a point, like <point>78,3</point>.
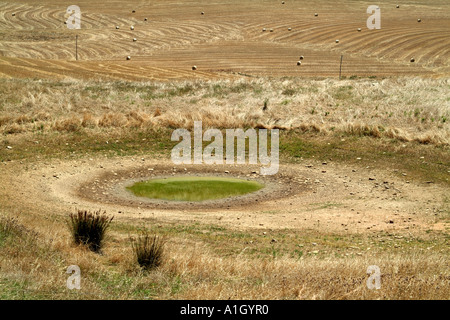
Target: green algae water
<point>193,188</point>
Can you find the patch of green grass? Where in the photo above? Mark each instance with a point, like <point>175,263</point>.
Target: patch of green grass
<point>193,188</point>
<point>343,93</point>
<point>289,92</point>
<point>16,290</point>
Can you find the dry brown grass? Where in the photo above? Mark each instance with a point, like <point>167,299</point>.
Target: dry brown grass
<point>408,109</point>
<point>194,270</point>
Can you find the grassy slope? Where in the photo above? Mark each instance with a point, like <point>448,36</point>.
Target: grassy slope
<point>208,261</point>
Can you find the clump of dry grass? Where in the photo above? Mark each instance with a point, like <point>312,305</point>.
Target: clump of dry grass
<point>68,125</point>
<point>113,120</point>
<point>88,121</point>
<point>89,228</point>
<point>148,250</point>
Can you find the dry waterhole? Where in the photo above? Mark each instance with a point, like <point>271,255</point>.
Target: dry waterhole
<point>113,187</point>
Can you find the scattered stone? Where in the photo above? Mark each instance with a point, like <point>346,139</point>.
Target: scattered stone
<point>8,147</point>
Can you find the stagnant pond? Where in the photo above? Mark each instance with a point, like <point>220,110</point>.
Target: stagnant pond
<point>193,188</point>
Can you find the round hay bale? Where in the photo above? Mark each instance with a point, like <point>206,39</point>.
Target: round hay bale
<point>337,41</point>
<point>13,14</point>
<point>202,13</point>
<point>264,29</point>
<point>412,60</point>
<point>302,57</point>
<point>299,63</point>
<point>419,20</point>
<point>132,28</point>
<point>194,68</point>
<point>145,19</point>
<point>271,30</point>
<point>397,6</point>
<point>289,29</point>
<point>117,27</point>
<point>359,29</point>
<point>128,58</point>
<point>282,2</point>
<point>316,14</point>
<point>134,39</point>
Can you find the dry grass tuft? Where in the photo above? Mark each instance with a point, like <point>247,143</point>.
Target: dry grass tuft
<point>116,120</point>
<point>68,125</point>
<point>89,228</point>
<point>148,250</point>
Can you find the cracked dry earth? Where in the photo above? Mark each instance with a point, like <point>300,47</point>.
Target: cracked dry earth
<point>329,197</point>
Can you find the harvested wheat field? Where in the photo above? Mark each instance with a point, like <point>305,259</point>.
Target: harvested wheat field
<point>362,161</point>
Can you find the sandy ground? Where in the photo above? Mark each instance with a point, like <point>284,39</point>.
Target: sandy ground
<point>328,197</point>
